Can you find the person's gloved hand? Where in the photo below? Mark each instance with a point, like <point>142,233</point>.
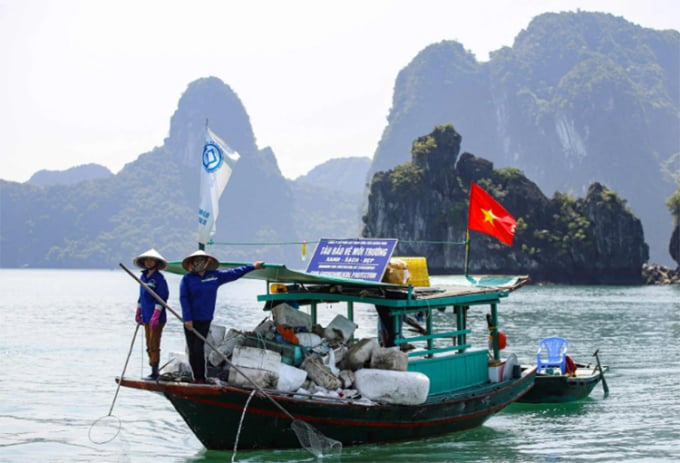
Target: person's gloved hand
<point>156,318</point>
<point>138,315</point>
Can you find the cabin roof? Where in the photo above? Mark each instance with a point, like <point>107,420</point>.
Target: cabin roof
<point>455,289</point>
<point>278,273</point>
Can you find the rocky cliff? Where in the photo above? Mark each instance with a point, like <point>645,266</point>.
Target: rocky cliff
<point>82,173</point>
<point>580,97</point>
<point>153,201</point>
<point>595,239</point>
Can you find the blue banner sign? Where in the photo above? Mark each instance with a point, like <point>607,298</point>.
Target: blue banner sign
<point>361,258</point>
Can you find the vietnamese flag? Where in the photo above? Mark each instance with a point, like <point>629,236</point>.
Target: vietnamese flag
<point>486,215</point>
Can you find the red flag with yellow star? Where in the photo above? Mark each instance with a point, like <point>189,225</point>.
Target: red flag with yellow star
<point>486,215</point>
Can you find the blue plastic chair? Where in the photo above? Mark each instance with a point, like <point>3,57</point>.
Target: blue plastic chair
<point>555,352</point>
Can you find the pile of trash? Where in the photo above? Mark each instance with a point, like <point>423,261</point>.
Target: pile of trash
<point>286,353</point>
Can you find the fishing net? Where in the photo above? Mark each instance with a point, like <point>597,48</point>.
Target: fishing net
<point>309,437</point>
<point>314,441</point>
<point>104,430</point>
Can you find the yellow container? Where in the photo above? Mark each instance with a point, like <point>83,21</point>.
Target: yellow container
<point>417,269</point>
<point>278,288</point>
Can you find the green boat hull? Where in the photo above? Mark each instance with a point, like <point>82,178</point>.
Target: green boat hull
<point>561,388</point>
<point>213,413</point>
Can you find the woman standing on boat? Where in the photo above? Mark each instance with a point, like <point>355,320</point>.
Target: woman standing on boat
<point>149,311</point>
<point>197,295</point>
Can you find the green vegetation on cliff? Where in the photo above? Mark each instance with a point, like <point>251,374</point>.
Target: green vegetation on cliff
<point>595,239</point>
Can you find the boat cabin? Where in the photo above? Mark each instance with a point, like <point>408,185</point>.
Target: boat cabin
<point>443,353</point>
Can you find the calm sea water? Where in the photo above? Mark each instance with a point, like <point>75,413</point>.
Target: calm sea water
<point>65,335</point>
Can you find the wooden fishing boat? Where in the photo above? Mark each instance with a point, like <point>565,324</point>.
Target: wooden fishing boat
<point>463,390</point>
<point>556,387</point>
<point>559,378</point>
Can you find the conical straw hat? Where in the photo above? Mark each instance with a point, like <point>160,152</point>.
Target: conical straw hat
<point>212,262</point>
<point>153,254</point>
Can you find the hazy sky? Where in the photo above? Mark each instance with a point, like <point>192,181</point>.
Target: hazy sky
<point>97,81</point>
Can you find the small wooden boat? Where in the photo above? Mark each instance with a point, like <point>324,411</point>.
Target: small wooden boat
<point>462,392</point>
<point>556,387</point>
<point>559,379</point>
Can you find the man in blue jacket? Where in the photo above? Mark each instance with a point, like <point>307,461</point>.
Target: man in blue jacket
<point>197,295</point>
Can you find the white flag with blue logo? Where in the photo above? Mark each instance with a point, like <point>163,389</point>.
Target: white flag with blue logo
<point>217,163</point>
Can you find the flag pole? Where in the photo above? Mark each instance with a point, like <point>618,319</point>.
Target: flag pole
<point>467,250</point>
<point>467,233</point>
<point>201,246</point>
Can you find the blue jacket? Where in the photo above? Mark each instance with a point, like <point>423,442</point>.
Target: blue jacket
<point>198,294</point>
<point>146,300</point>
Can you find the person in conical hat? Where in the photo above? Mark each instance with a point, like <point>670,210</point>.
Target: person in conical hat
<point>139,261</point>
<point>200,261</point>
<point>149,312</point>
<point>197,296</point>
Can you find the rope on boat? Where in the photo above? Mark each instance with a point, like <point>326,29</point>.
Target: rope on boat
<point>240,424</point>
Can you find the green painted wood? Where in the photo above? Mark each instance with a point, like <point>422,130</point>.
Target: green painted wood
<point>437,350</point>
<point>453,372</point>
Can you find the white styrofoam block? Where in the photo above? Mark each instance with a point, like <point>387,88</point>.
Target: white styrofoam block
<point>396,387</point>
